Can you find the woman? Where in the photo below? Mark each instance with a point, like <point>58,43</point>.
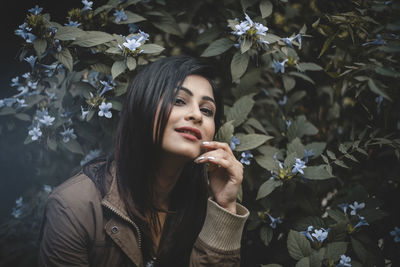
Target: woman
<point>149,204</point>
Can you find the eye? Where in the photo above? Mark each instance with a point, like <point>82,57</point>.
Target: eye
<point>179,102</point>
<point>208,112</point>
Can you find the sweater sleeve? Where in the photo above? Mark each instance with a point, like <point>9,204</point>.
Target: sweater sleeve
<point>218,243</point>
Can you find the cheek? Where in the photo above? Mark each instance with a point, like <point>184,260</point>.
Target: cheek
<point>211,131</point>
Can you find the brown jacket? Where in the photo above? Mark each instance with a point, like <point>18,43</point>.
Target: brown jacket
<point>82,228</point>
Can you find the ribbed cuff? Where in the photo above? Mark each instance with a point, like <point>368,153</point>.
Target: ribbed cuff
<point>222,229</point>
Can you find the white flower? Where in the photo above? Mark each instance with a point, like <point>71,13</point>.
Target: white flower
<point>84,113</point>
<point>68,134</point>
<point>47,120</point>
<point>104,110</point>
<point>35,133</point>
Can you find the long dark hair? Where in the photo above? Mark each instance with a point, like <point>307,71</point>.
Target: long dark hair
<point>136,154</point>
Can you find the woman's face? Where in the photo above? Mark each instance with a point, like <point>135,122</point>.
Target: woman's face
<point>192,118</point>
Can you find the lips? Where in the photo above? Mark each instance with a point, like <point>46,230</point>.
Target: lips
<point>189,130</point>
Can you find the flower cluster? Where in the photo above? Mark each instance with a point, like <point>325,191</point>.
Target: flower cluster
<point>18,208</point>
<point>248,29</point>
<point>344,261</point>
<point>246,156</point>
<point>396,234</point>
<point>132,43</point>
<point>355,207</point>
<point>120,16</point>
<point>288,173</point>
<point>234,142</point>
<point>318,235</point>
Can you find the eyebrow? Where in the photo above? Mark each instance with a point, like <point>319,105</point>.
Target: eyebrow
<point>191,94</point>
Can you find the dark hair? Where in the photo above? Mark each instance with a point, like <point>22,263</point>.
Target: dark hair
<point>136,152</point>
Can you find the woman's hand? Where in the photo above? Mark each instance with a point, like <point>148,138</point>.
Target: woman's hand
<point>225,173</point>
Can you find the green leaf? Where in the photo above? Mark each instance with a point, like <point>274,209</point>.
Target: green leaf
<point>331,155</point>
<point>334,250</point>
<point>288,82</point>
<point>267,188</point>
<point>116,105</point>
<point>102,68</point>
<point>337,215</point>
<point>120,89</point>
<point>327,44</point>
<point>73,146</point>
<point>301,127</point>
<point>256,125</point>
<point>102,8</point>
<point>225,132</point>
<point>304,262</point>
<point>270,38</point>
<point>265,8</point>
<point>317,148</point>
<point>316,258</point>
<point>377,90</point>
<point>208,35</point>
<point>267,162</point>
<point>343,148</point>
<point>298,246</point>
<point>65,58</point>
<point>40,46</point>
<point>93,38</point>
<point>117,68</point>
<point>271,265</point>
<point>31,100</point>
<point>302,76</point>
<point>68,33</point>
<point>167,23</point>
<point>266,234</point>
<point>152,48</point>
<point>390,72</point>
<point>359,249</point>
<point>251,141</point>
<point>7,111</point>
<point>23,116</point>
<point>131,63</point>
<point>245,45</point>
<point>290,160</point>
<point>131,18</point>
<point>351,157</point>
<point>296,146</point>
<point>240,109</point>
<point>52,144</point>
<point>246,3</point>
<point>217,47</point>
<point>373,215</point>
<point>340,163</point>
<point>114,50</point>
<point>239,65</point>
<point>319,172</point>
<point>309,66</point>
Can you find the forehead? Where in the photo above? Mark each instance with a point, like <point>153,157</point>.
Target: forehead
<point>198,85</point>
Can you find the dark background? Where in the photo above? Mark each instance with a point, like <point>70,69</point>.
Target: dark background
<point>16,178</point>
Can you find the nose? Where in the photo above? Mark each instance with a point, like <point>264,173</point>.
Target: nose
<point>195,115</point>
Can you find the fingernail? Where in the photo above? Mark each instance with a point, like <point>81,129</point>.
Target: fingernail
<point>198,159</point>
<point>206,143</point>
<point>211,158</point>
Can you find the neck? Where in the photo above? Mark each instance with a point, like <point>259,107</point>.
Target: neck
<point>168,171</point>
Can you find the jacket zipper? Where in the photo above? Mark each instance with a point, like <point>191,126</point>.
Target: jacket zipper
<point>125,218</point>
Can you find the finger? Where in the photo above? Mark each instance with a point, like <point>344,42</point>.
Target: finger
<point>216,161</point>
<point>215,145</point>
<point>218,153</point>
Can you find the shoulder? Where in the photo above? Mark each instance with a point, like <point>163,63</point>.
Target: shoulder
<point>78,194</point>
